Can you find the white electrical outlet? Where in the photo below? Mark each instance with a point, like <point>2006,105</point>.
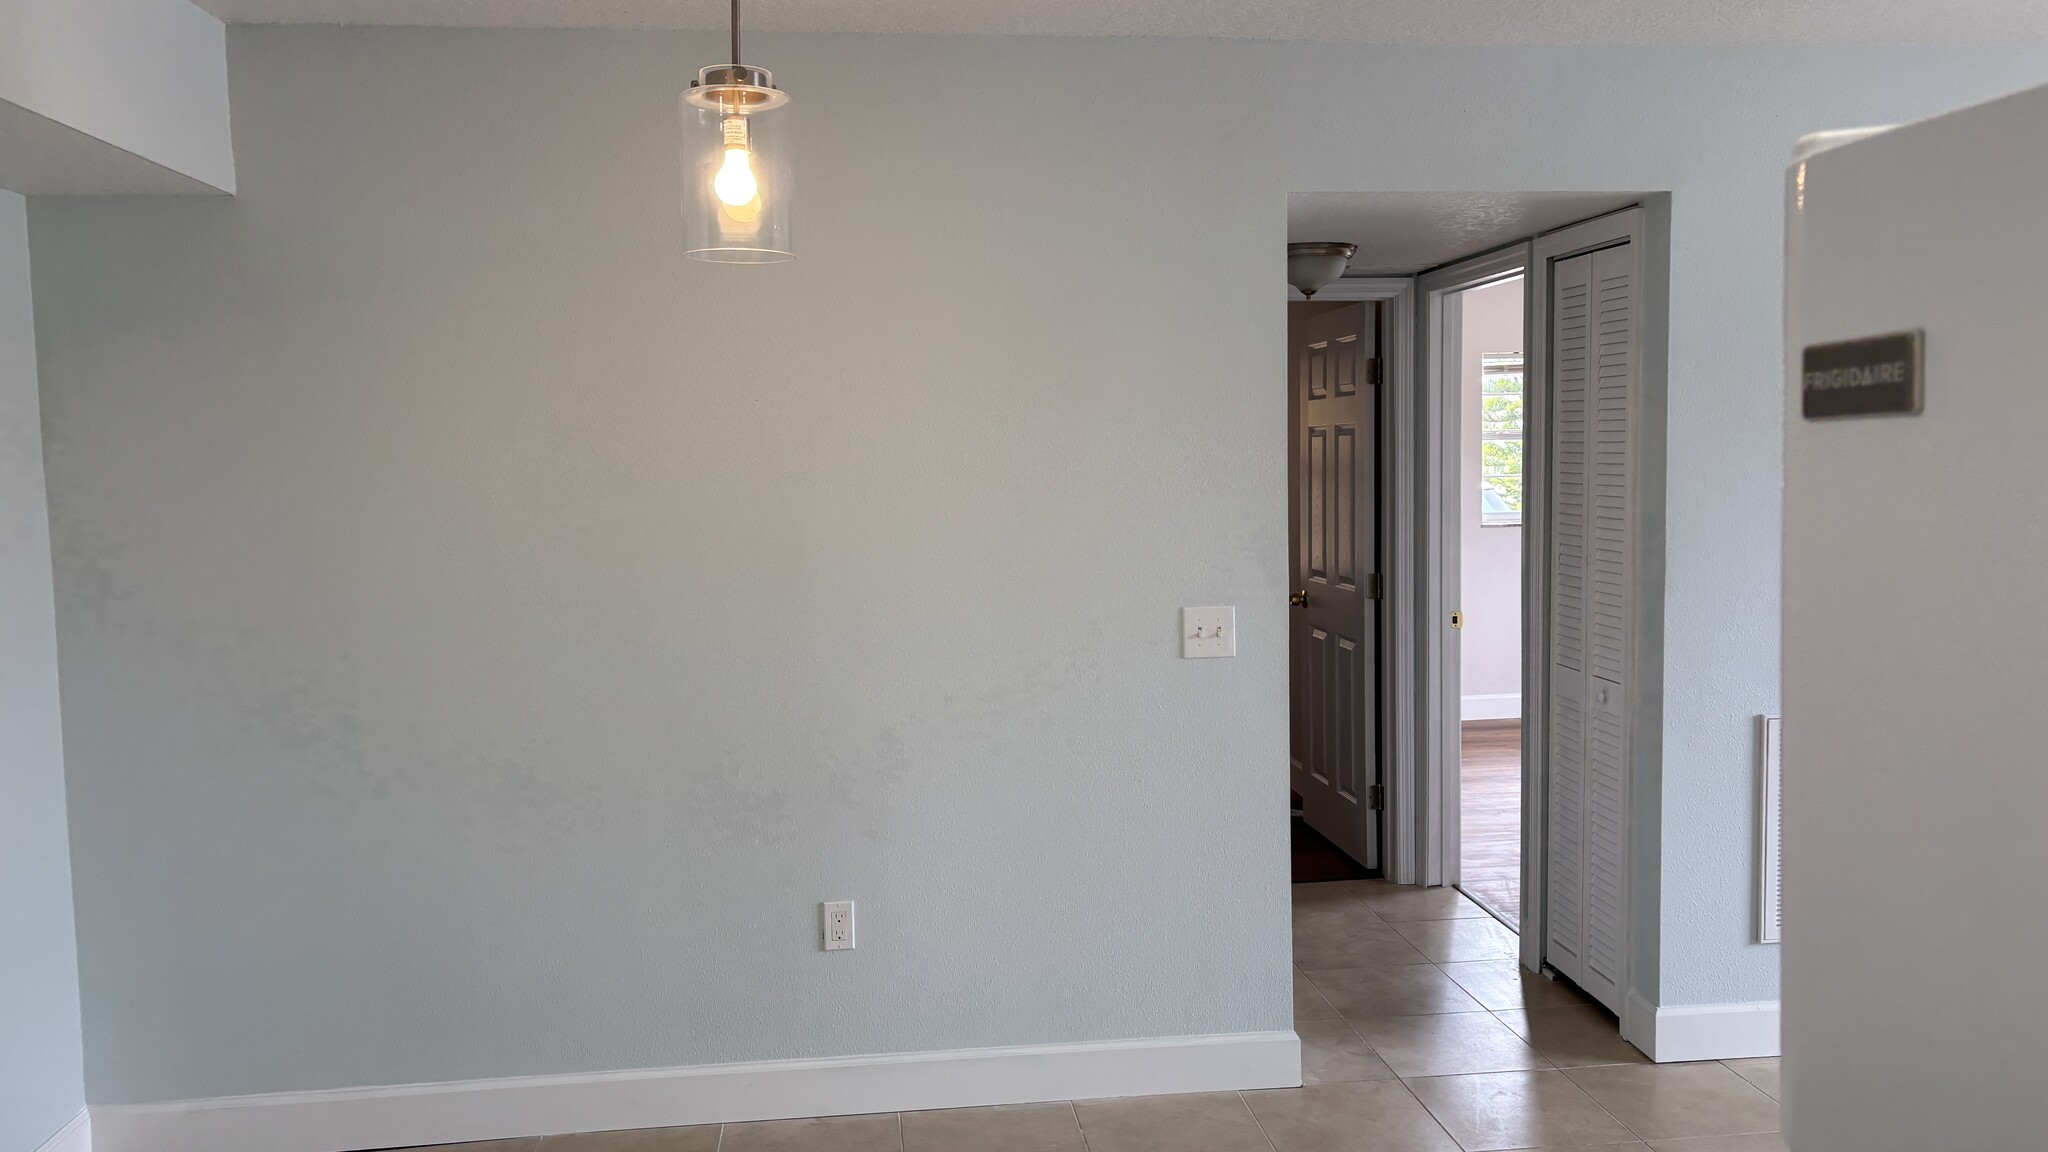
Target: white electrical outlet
<point>838,918</point>
<point>1206,632</point>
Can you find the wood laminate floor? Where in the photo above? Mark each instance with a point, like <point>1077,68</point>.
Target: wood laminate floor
<point>1490,803</point>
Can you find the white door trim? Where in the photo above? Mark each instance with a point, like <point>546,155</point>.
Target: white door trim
<point>1441,404</point>
<point>1400,857</point>
<point>410,1115</point>
<point>74,1136</point>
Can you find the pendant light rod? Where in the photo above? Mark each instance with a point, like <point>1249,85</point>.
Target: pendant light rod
<point>735,31</point>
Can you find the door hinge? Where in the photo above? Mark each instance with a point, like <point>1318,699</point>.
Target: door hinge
<point>1372,798</point>
<point>1372,586</point>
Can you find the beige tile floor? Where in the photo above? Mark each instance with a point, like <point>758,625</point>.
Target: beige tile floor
<point>1419,1033</point>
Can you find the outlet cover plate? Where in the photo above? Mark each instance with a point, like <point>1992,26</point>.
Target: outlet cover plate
<point>836,924</point>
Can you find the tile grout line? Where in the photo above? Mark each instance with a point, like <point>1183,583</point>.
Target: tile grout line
<point>1086,1144</point>
<point>1602,1107</point>
<point>1427,1111</point>
<point>1260,1124</point>
<point>1609,1113</point>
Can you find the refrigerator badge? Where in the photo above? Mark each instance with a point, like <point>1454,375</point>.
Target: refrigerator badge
<point>1874,376</point>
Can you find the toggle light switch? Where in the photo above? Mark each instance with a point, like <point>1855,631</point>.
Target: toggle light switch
<point>1206,632</point>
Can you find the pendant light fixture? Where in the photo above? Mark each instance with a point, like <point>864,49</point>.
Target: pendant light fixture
<point>1312,266</point>
<point>736,168</point>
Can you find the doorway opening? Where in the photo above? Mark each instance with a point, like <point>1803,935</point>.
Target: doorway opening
<point>1554,424</point>
<point>1492,383</point>
<point>1334,651</point>
<point>1473,544</point>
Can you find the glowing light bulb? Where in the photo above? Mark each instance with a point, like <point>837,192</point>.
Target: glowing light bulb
<point>735,183</point>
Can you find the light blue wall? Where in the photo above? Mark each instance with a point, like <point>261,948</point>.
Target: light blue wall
<point>41,1069</point>
<point>487,634</point>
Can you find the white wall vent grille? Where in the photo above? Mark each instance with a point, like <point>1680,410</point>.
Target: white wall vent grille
<point>1771,824</point>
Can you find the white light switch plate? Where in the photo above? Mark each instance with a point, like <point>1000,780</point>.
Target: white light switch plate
<point>1206,632</point>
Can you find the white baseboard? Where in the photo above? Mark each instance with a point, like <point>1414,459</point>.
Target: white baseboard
<point>1491,706</point>
<point>1701,1031</point>
<point>414,1114</point>
<point>74,1136</point>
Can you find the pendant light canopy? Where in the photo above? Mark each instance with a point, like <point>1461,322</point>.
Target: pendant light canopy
<point>736,163</point>
<point>1311,266</point>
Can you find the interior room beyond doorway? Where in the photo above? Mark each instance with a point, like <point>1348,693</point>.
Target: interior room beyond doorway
<point>1491,379</point>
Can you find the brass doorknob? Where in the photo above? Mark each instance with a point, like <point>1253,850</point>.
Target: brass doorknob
<point>1299,599</point>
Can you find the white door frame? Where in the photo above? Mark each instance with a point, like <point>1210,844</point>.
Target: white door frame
<point>1399,854</point>
<point>1440,325</point>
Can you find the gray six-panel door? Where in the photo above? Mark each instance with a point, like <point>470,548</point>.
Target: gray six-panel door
<point>1333,642</point>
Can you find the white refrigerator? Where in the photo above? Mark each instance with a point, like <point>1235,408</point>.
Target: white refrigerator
<point>1915,818</point>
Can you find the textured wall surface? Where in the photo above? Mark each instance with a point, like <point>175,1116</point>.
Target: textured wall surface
<point>486,635</point>
<point>41,1070</point>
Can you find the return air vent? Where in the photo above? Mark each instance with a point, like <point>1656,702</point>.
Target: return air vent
<point>1771,824</point>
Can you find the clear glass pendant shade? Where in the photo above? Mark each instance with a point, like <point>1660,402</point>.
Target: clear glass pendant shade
<point>737,173</point>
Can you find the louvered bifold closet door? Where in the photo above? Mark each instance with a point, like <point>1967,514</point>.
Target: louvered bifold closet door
<point>1611,468</point>
<point>1594,381</point>
<point>1570,392</point>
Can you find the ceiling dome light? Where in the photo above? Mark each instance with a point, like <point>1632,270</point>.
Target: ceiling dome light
<point>1311,266</point>
<point>736,165</point>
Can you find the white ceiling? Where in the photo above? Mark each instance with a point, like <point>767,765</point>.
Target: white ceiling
<point>1367,21</point>
<point>1402,232</point>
